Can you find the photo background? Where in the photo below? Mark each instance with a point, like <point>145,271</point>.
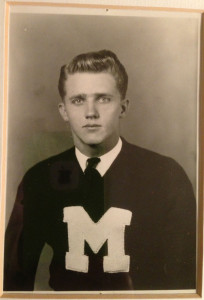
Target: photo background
<point>161,58</point>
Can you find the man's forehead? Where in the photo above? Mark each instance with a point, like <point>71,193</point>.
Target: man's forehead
<point>88,82</point>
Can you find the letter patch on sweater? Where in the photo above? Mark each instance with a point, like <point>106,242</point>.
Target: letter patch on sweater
<point>110,227</point>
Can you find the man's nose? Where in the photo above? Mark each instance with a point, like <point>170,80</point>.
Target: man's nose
<point>91,110</point>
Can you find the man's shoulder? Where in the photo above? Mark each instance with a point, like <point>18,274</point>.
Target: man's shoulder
<point>140,154</point>
<point>148,161</point>
<point>44,165</point>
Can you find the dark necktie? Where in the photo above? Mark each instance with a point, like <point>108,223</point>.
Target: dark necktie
<point>94,205</point>
<point>91,165</point>
<point>93,191</point>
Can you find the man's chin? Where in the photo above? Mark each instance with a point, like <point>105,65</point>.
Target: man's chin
<point>94,143</point>
<point>93,138</point>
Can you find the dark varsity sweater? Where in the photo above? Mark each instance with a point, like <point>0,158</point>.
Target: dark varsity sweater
<point>160,239</point>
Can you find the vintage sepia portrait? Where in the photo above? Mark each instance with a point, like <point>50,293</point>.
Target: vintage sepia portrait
<point>103,135</point>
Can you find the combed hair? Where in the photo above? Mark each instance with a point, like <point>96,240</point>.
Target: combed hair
<point>95,62</point>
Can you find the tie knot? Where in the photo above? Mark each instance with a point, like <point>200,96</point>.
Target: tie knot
<point>92,162</point>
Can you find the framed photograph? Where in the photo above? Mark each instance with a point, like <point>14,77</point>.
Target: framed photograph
<point>102,152</point>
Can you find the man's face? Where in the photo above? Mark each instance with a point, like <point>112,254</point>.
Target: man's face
<point>93,107</point>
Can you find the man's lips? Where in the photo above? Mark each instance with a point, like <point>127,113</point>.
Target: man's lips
<point>91,126</point>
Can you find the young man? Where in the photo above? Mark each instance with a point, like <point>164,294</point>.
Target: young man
<point>118,217</point>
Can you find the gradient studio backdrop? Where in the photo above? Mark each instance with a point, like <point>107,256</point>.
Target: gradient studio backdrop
<point>160,55</point>
<point>161,58</point>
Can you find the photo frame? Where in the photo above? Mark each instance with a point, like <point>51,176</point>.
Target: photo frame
<point>37,41</point>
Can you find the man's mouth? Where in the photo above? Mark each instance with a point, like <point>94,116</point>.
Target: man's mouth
<point>91,126</point>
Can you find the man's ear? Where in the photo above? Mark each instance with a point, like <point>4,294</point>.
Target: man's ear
<point>124,107</point>
<point>63,112</point>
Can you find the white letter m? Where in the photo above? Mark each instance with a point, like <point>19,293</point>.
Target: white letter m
<point>110,227</point>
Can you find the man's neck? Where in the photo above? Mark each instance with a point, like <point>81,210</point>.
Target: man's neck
<point>96,150</point>
<point>106,160</point>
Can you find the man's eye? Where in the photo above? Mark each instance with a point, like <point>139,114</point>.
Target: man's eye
<point>77,101</point>
<point>104,99</point>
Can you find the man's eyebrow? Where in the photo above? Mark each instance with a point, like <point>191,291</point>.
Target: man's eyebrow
<point>103,95</point>
<point>84,96</point>
<point>78,96</point>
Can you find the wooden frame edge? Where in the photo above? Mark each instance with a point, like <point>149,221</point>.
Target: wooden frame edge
<point>100,296</point>
<point>37,295</point>
<point>201,166</point>
<point>82,5</point>
<point>4,139</point>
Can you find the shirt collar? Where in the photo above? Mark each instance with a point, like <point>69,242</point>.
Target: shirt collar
<point>106,160</point>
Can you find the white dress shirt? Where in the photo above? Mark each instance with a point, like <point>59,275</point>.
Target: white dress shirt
<point>106,160</point>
